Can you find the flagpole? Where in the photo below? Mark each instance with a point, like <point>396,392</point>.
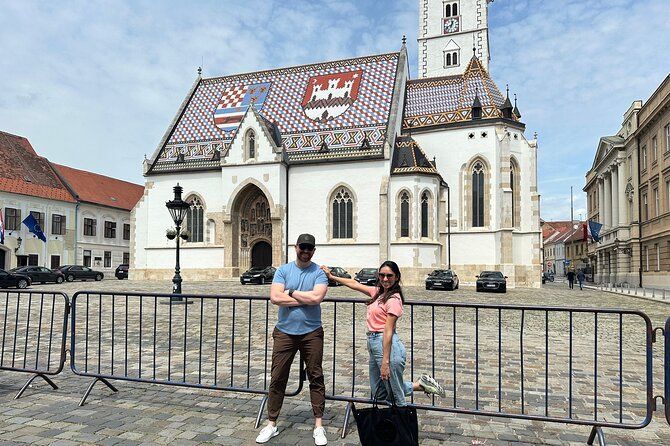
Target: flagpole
<point>572,210</point>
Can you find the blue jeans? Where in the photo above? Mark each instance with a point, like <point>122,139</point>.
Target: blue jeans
<point>395,383</point>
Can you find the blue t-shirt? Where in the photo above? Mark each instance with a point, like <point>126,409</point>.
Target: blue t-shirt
<point>304,318</point>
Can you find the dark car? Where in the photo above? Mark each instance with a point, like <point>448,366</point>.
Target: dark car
<point>442,278</point>
<point>121,271</point>
<point>547,277</point>
<point>40,274</point>
<point>258,274</point>
<point>492,281</point>
<point>367,276</point>
<point>76,272</point>
<point>337,272</point>
<point>9,280</point>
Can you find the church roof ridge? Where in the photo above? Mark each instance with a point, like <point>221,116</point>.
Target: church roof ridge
<point>303,66</point>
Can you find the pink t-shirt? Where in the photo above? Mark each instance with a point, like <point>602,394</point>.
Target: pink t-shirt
<point>378,311</point>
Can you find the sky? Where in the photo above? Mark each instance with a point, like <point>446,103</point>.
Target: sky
<point>95,84</point>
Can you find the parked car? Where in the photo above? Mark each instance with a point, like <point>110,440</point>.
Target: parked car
<point>121,271</point>
<point>76,272</point>
<point>492,281</point>
<point>9,280</point>
<point>40,274</point>
<point>367,276</point>
<point>259,275</point>
<point>442,278</point>
<point>547,277</point>
<point>337,272</point>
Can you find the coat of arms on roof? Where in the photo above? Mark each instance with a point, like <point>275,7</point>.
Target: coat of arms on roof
<point>329,95</point>
<point>234,103</point>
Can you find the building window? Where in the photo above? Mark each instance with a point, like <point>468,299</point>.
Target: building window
<point>195,219</point>
<point>55,262</point>
<point>39,217</point>
<point>644,158</point>
<point>451,9</point>
<point>667,194</point>
<point>645,207</point>
<point>90,226</point>
<point>667,138</point>
<point>514,180</point>
<point>424,214</point>
<point>451,58</point>
<point>110,229</point>
<point>657,202</point>
<point>646,258</point>
<point>343,214</point>
<point>58,224</point>
<point>87,258</point>
<point>108,259</point>
<point>12,219</point>
<point>654,149</point>
<point>126,258</point>
<point>250,143</point>
<point>658,257</point>
<point>33,260</point>
<point>404,214</point>
<point>630,166</point>
<point>478,195</point>
<point>126,231</point>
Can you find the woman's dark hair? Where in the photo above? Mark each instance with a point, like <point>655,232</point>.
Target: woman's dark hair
<point>395,288</point>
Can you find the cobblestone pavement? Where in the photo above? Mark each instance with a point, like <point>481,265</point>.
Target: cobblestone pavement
<point>153,414</point>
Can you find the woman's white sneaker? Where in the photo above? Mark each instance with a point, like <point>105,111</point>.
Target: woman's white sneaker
<point>266,433</point>
<point>320,436</point>
<point>430,386</point>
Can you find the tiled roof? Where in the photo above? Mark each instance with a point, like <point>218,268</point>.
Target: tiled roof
<point>23,172</point>
<point>409,158</point>
<point>444,100</point>
<point>340,103</point>
<point>99,189</point>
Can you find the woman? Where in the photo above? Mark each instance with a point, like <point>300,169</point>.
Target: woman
<point>387,352</point>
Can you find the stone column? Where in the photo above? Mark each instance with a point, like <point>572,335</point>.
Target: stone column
<point>623,199</point>
<point>607,203</point>
<point>615,196</point>
<point>601,200</point>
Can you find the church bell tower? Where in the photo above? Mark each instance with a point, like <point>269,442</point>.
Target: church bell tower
<point>448,32</point>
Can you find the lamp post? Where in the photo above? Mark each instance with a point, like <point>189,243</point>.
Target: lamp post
<point>18,244</point>
<point>177,208</point>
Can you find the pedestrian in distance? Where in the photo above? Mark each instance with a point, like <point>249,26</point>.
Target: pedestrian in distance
<point>571,279</point>
<point>580,278</point>
<point>386,350</point>
<point>298,288</point>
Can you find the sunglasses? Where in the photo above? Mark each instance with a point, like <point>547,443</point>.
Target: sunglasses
<point>386,276</point>
<point>305,247</point>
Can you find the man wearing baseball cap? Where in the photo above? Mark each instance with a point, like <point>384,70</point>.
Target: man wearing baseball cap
<point>298,289</point>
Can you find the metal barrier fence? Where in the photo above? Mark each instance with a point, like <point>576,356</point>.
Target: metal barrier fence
<point>210,342</point>
<point>34,330</point>
<point>582,366</point>
<point>625,288</point>
<point>666,400</point>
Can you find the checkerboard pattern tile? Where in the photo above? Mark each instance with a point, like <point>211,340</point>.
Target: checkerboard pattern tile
<point>368,115</point>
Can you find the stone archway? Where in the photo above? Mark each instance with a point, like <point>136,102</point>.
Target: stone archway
<point>253,222</point>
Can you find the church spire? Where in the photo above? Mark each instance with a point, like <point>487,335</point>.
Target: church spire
<point>516,110</point>
<point>506,109</point>
<point>476,106</point>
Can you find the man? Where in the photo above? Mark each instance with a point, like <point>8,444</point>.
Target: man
<point>298,289</point>
<point>571,279</point>
<point>580,278</point>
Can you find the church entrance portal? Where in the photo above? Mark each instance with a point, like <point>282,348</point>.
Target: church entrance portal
<point>261,254</point>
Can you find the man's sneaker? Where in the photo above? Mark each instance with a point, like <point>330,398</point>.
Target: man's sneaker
<point>430,386</point>
<point>266,433</point>
<point>320,436</point>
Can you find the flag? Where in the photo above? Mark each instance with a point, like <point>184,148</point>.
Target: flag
<point>34,227</point>
<point>594,230</point>
<point>2,230</point>
<point>234,104</point>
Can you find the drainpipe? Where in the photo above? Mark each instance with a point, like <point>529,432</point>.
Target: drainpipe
<point>639,210</point>
<point>445,184</point>
<point>76,231</point>
<point>287,200</point>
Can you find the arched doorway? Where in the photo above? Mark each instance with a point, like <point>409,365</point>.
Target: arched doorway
<point>261,254</point>
<point>251,224</point>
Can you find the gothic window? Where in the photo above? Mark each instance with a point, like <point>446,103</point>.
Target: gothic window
<point>424,214</point>
<point>450,9</point>
<point>250,143</point>
<point>451,58</point>
<point>343,214</point>
<point>404,214</point>
<point>194,219</point>
<point>448,60</point>
<point>514,181</point>
<point>478,195</point>
<point>454,58</point>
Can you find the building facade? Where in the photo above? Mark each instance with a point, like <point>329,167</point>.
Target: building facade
<point>653,141</point>
<point>431,173</point>
<point>85,217</point>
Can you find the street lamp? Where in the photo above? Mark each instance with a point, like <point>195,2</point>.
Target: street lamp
<point>177,208</point>
<point>18,244</point>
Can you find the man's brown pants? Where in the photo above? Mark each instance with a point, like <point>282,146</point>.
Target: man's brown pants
<point>285,347</point>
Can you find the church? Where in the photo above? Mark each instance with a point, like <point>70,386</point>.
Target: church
<point>434,172</point>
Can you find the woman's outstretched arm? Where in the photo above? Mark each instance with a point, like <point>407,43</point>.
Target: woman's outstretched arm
<point>349,283</point>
